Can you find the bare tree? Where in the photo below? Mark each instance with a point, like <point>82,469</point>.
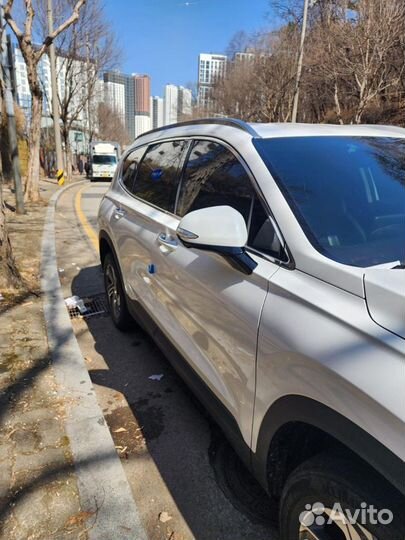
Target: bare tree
<point>259,87</point>
<point>354,65</point>
<point>9,275</point>
<point>110,126</point>
<point>32,54</point>
<point>85,50</point>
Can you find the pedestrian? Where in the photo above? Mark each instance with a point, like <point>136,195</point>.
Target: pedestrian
<point>86,168</point>
<point>80,166</point>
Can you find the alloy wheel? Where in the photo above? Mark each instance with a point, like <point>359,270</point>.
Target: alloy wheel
<point>113,292</point>
<point>321,523</point>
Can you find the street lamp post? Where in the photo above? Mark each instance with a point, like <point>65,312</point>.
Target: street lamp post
<point>55,103</point>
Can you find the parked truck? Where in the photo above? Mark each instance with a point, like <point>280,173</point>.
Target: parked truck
<point>104,157</point>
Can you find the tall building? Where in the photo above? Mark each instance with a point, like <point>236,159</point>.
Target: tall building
<point>77,71</point>
<point>142,104</point>
<point>245,56</point>
<point>117,86</point>
<point>211,67</point>
<point>114,96</point>
<point>171,104</point>
<point>184,105</point>
<point>142,94</point>
<point>157,112</point>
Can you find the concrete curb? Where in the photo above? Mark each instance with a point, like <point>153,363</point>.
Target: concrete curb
<point>103,486</point>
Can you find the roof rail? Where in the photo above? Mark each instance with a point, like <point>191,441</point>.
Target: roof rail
<point>223,121</point>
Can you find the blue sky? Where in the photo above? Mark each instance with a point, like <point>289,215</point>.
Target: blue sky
<point>164,37</point>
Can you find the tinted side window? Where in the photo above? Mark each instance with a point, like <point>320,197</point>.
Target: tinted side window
<point>157,178</point>
<point>214,177</point>
<point>262,235</point>
<point>130,167</point>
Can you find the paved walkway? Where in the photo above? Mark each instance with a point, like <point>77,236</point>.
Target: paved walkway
<point>38,488</point>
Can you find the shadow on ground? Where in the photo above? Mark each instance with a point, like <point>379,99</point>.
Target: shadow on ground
<point>179,436</point>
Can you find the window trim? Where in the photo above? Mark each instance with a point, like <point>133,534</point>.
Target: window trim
<point>121,165</point>
<point>289,263</point>
<point>147,146</point>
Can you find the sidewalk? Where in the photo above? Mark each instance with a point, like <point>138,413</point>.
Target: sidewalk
<point>38,489</point>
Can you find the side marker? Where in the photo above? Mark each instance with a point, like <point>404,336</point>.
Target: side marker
<point>60,177</point>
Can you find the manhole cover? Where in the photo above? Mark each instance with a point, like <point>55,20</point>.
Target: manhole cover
<point>93,305</point>
<point>238,484</point>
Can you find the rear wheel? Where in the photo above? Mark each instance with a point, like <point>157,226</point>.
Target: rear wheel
<point>116,297</point>
<point>330,498</point>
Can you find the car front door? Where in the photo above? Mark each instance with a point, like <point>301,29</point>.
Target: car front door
<point>210,310</point>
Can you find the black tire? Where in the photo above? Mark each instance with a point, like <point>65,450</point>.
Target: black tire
<point>116,297</point>
<point>328,479</point>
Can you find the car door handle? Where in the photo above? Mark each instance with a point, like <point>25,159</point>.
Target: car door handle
<point>119,212</point>
<point>167,241</point>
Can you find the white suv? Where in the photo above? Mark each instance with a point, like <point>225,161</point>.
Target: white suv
<point>267,261</point>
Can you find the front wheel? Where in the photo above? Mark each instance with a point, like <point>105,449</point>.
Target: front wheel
<point>115,294</point>
<point>333,498</point>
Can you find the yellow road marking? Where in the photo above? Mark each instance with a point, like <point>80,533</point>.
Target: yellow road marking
<point>88,229</point>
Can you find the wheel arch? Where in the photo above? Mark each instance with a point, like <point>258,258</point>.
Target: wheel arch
<point>296,427</point>
<point>105,246</point>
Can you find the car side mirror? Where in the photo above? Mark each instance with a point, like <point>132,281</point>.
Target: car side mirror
<point>220,229</point>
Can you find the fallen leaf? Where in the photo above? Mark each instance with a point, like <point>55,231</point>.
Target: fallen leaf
<point>79,518</point>
<point>120,430</point>
<point>164,517</point>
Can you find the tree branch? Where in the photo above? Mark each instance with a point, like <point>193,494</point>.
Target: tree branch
<point>53,35</point>
<point>10,21</point>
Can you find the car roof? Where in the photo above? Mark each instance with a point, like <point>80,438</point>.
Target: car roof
<point>313,130</point>
<point>227,128</point>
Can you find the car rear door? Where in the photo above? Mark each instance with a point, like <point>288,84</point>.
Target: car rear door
<point>208,309</point>
<point>144,208</point>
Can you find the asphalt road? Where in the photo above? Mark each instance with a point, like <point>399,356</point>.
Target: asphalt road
<point>185,480</point>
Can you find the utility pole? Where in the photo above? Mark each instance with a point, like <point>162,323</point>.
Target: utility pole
<point>55,102</point>
<point>300,61</point>
<point>11,124</point>
<point>87,90</point>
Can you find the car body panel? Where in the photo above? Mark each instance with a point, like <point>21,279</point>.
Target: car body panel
<point>321,326</point>
<point>385,292</point>
<point>209,310</point>
<point>318,341</point>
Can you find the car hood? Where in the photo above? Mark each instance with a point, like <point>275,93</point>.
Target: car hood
<point>385,297</point>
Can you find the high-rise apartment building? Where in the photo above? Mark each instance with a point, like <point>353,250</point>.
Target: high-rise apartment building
<point>77,71</point>
<point>142,94</point>
<point>171,104</point>
<point>157,111</point>
<point>129,96</point>
<point>142,104</point>
<point>117,86</point>
<point>211,67</point>
<point>114,97</point>
<point>184,104</point>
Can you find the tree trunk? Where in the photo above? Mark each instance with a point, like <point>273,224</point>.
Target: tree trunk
<point>337,104</point>
<point>9,275</point>
<point>67,154</point>
<point>32,185</point>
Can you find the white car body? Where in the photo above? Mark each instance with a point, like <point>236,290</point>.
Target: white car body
<point>316,342</point>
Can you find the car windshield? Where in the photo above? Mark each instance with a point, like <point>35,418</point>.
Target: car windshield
<point>348,193</point>
<point>104,160</point>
